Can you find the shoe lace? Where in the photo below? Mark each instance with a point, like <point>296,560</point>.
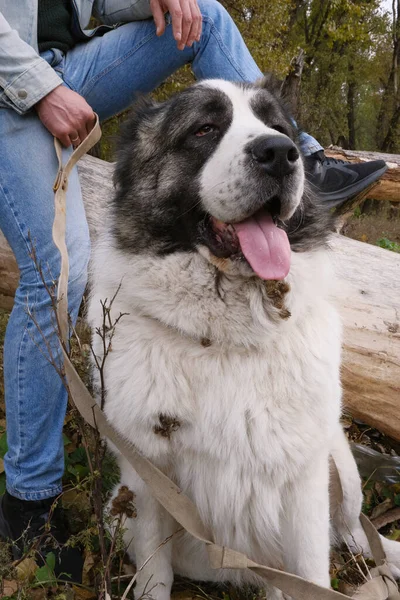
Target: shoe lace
<point>336,161</point>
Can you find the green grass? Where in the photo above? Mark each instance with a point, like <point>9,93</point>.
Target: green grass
<point>388,245</point>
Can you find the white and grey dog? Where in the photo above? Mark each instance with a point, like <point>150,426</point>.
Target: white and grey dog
<point>224,370</point>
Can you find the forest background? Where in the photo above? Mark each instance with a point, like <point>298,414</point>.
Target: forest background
<point>350,86</point>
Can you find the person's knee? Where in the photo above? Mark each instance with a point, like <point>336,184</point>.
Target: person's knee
<point>213,10</point>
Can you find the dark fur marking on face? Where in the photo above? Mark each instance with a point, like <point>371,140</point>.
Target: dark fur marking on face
<point>157,206</point>
<point>167,426</point>
<point>159,159</point>
<point>274,114</point>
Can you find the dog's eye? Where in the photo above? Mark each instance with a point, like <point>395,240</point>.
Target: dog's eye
<point>279,128</point>
<point>205,129</point>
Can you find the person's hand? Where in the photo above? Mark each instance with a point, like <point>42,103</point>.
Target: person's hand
<point>66,115</point>
<point>186,19</point>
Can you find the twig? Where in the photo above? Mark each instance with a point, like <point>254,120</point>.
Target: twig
<point>355,561</point>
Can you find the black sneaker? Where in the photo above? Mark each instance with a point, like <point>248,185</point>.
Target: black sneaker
<point>337,180</point>
<point>25,523</point>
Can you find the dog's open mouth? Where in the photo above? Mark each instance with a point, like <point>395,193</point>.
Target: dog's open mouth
<point>258,239</point>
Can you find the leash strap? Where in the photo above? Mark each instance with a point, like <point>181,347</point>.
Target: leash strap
<point>179,506</point>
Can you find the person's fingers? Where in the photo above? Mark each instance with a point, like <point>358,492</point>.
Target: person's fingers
<point>158,15</point>
<point>195,30</point>
<point>64,139</point>
<point>85,127</point>
<point>73,138</point>
<point>90,123</point>
<point>175,12</point>
<point>187,22</point>
<point>199,21</point>
<point>82,134</point>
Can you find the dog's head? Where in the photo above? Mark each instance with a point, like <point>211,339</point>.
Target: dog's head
<point>216,169</point>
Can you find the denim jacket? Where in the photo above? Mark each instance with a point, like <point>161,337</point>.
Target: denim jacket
<point>25,78</point>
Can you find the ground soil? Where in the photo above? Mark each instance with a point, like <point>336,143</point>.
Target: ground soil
<point>373,221</point>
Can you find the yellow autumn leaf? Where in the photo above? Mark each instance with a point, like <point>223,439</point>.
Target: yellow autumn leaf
<point>26,569</point>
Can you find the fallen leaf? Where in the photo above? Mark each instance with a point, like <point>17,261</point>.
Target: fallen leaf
<point>9,588</point>
<point>345,588</point>
<point>77,498</point>
<point>83,593</point>
<point>36,594</point>
<point>26,569</point>
<point>388,517</point>
<point>381,509</point>
<point>88,564</point>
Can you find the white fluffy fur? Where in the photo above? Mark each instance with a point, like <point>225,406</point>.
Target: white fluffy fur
<point>258,410</point>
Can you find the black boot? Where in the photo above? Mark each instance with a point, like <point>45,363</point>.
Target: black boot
<point>24,522</point>
<point>335,181</point>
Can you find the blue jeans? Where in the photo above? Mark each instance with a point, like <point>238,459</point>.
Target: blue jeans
<point>109,72</point>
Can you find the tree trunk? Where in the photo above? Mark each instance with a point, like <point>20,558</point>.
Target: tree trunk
<point>351,114</point>
<point>291,85</point>
<point>390,105</point>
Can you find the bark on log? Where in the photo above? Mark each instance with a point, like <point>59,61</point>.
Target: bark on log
<point>368,299</point>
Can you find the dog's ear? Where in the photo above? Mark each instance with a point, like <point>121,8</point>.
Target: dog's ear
<point>271,83</point>
<point>279,89</point>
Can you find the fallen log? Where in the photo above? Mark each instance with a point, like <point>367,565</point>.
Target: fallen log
<point>368,298</point>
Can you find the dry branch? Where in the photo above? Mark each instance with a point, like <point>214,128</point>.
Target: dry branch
<point>368,299</point>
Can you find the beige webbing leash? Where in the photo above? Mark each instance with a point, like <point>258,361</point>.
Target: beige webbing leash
<point>180,507</point>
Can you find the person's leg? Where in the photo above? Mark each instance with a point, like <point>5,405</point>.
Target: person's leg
<point>113,70</point>
<point>35,396</point>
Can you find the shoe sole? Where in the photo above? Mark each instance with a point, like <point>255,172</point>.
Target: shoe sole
<point>333,199</point>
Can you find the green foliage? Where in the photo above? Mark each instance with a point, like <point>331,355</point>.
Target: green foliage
<point>335,583</point>
<point>76,464</point>
<point>45,574</point>
<point>3,444</point>
<point>388,245</point>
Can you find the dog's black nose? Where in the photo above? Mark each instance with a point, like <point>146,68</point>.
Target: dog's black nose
<point>277,154</point>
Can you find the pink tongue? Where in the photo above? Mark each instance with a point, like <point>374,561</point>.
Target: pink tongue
<point>265,247</point>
